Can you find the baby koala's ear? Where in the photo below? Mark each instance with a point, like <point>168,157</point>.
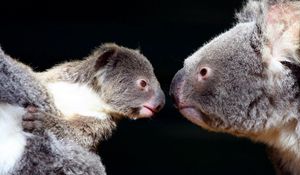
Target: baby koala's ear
<point>104,54</point>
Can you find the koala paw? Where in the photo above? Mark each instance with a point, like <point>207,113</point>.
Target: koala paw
<point>33,120</point>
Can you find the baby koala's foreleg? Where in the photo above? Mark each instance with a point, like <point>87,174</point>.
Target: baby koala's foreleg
<point>85,131</point>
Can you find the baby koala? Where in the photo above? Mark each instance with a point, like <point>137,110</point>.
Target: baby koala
<point>94,93</point>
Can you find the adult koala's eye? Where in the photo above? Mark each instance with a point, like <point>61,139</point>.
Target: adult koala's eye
<point>204,73</point>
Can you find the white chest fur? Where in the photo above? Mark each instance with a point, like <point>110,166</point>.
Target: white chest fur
<point>75,99</point>
<point>12,137</point>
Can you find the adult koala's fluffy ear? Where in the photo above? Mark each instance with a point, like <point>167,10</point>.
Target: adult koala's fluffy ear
<point>280,27</point>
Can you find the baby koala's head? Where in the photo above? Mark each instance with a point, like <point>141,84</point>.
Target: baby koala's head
<point>126,82</point>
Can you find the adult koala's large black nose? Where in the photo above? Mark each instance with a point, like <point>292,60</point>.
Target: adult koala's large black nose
<point>176,86</point>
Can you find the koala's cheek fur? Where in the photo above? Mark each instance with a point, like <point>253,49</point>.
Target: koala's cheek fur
<point>232,105</point>
<point>134,103</point>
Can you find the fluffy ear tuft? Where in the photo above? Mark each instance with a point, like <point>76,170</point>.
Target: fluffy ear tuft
<point>250,12</point>
<point>281,30</point>
<point>104,54</point>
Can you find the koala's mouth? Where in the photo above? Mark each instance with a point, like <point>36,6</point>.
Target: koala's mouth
<point>141,112</point>
<point>194,115</point>
<point>147,111</point>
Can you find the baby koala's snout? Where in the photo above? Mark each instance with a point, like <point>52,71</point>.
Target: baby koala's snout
<point>157,103</point>
<point>154,105</point>
<point>160,101</point>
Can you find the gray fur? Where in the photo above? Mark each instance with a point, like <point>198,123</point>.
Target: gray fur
<point>250,12</point>
<point>249,91</point>
<point>44,154</point>
<point>32,91</point>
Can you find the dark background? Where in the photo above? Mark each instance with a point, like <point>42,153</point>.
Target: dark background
<point>47,32</point>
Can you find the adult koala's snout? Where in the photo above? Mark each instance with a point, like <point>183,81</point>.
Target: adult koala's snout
<point>182,87</point>
<point>175,88</point>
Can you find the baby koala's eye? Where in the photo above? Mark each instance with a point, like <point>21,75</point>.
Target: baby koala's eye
<point>142,84</point>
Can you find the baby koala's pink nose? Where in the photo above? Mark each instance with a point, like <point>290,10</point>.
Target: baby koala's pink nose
<point>204,73</point>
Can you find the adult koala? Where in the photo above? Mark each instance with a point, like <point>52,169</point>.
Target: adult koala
<point>246,81</point>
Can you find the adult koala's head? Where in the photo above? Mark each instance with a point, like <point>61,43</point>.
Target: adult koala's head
<point>245,80</point>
